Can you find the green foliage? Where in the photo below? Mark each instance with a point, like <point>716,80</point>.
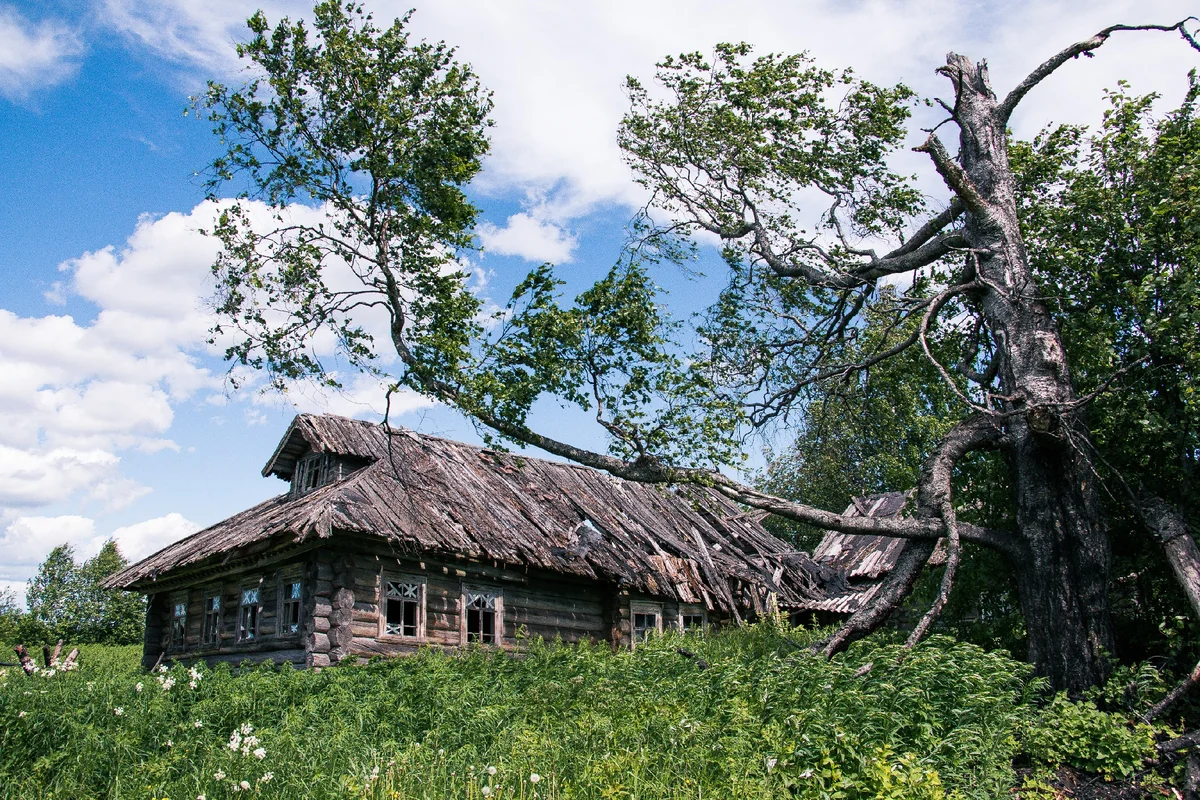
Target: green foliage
<point>1080,735</point>
<point>370,138</point>
<point>762,720</point>
<point>66,601</point>
<point>1112,222</point>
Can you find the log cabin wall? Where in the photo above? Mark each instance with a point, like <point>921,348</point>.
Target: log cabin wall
<point>267,636</point>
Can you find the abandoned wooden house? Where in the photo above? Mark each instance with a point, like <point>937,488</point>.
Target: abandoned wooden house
<point>388,540</point>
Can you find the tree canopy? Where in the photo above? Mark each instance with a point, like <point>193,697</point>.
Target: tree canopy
<point>979,297</point>
<point>66,600</point>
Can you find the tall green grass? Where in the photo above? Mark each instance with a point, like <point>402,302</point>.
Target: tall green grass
<point>748,716</point>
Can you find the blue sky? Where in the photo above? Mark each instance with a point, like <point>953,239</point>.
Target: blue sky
<point>117,419</point>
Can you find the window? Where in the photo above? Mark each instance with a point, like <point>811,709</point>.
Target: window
<point>314,471</point>
<point>692,618</point>
<point>178,621</point>
<point>211,632</point>
<point>248,616</point>
<point>403,604</point>
<point>647,620</point>
<point>289,612</point>
<point>481,616</point>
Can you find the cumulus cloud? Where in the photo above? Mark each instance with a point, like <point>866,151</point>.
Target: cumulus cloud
<point>144,538</point>
<point>34,56</point>
<point>27,540</point>
<point>529,238</point>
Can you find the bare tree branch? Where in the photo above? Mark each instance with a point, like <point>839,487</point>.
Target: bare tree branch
<point>1005,109</point>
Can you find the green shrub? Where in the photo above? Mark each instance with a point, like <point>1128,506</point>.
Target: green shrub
<point>1080,735</point>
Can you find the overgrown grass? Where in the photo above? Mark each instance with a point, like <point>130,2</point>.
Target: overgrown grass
<point>763,719</point>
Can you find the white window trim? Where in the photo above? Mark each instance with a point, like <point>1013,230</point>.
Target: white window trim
<point>422,605</point>
<point>286,579</point>
<point>258,626</point>
<point>644,607</point>
<point>494,591</point>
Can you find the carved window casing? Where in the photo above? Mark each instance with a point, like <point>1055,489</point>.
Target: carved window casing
<point>291,595</point>
<point>483,615</point>
<point>402,612</point>
<point>210,632</point>
<point>248,612</point>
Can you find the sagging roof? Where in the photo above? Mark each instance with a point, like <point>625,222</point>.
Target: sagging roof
<point>429,495</point>
<point>863,559</point>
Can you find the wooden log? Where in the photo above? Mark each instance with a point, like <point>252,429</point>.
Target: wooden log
<point>317,660</point>
<point>69,661</point>
<point>340,637</point>
<point>363,629</point>
<point>320,624</point>
<point>319,643</point>
<point>27,663</point>
<point>375,647</point>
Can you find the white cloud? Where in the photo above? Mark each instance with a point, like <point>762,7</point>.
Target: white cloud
<point>34,56</point>
<point>27,540</point>
<point>531,239</point>
<point>144,538</point>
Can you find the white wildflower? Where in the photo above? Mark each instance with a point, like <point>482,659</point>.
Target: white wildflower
<point>201,797</point>
<point>485,791</point>
<point>441,751</point>
<point>260,753</point>
<point>90,685</point>
<point>170,743</point>
<point>192,684</point>
<point>246,729</point>
<point>770,762</point>
<point>235,740</point>
<point>21,714</point>
<point>491,770</point>
<point>534,777</point>
<point>245,786</point>
<point>27,692</point>
<point>49,673</point>
<point>808,773</point>
<point>197,724</point>
<point>137,687</point>
<point>167,684</point>
<point>118,711</point>
<point>194,673</point>
<point>219,775</point>
<point>162,667</point>
<point>266,777</point>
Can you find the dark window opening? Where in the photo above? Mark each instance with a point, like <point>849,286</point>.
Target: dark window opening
<point>315,471</point>
<point>212,620</point>
<point>481,618</point>
<point>402,609</point>
<point>290,616</point>
<point>691,622</point>
<point>248,616</point>
<point>178,623</point>
<point>644,624</point>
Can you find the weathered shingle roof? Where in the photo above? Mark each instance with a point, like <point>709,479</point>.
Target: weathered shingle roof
<point>863,559</point>
<point>431,495</point>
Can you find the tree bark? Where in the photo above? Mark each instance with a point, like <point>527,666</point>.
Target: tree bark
<point>1062,576</point>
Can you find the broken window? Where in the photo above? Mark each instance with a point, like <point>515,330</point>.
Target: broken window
<point>212,620</point>
<point>248,616</point>
<point>481,609</point>
<point>404,603</point>
<point>316,470</point>
<point>289,613</point>
<point>178,621</point>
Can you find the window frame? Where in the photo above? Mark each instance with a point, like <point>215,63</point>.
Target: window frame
<point>256,609</point>
<point>637,607</point>
<point>288,579</point>
<point>497,595</point>
<point>692,610</point>
<point>210,622</point>
<point>178,631</point>
<point>422,605</point>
